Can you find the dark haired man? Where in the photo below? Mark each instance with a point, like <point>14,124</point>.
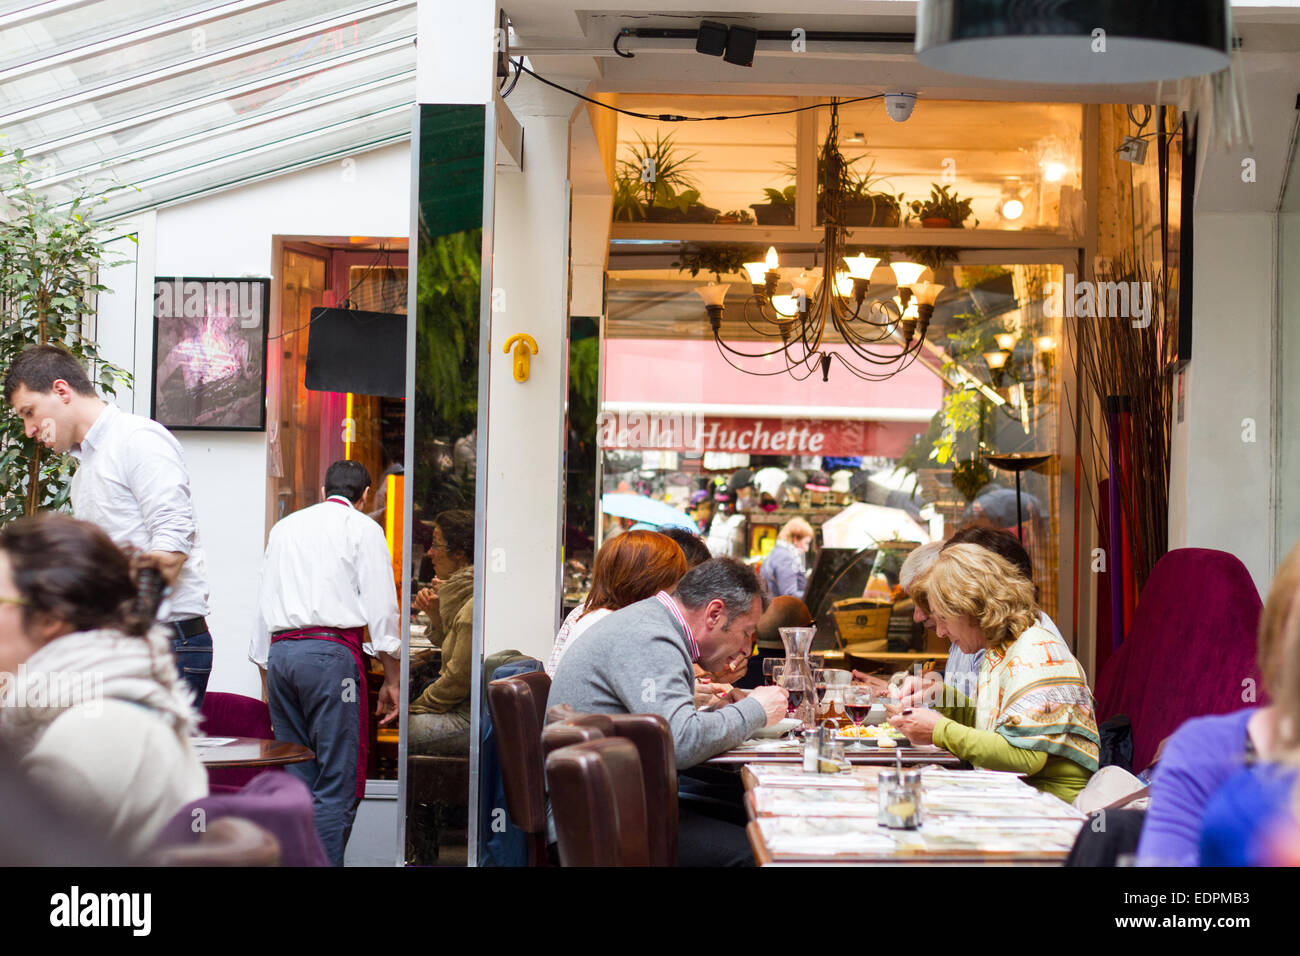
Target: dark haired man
<point>692,545</point>
<point>131,480</point>
<point>638,660</point>
<point>328,575</point>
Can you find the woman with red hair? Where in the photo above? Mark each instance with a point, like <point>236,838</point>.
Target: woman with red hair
<point>631,567</point>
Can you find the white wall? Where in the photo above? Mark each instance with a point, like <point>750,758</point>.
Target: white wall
<point>1220,487</point>
<point>230,234</point>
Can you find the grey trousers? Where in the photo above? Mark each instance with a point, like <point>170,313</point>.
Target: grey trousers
<point>315,692</point>
<point>441,735</point>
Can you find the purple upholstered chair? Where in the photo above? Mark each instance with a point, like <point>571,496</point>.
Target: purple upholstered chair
<point>276,801</point>
<point>233,715</point>
<point>1190,651</point>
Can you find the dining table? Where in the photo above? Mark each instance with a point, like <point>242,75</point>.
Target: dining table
<point>967,817</point>
<point>220,752</point>
<point>788,750</point>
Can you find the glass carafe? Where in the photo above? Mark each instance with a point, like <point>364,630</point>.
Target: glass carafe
<point>798,642</point>
<point>832,699</point>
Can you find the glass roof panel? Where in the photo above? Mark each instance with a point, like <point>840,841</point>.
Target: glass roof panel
<point>87,23</point>
<point>126,94</point>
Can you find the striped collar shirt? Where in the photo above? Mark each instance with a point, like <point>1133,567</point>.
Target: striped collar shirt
<point>666,599</point>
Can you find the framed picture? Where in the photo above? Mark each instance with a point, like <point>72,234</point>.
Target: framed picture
<point>209,353</point>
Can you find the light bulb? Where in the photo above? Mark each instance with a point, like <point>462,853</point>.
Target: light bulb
<point>772,261</point>
<point>714,293</point>
<point>861,266</point>
<point>906,273</point>
<point>1012,209</point>
<point>806,282</point>
<point>757,272</point>
<point>786,305</point>
<point>1006,340</point>
<point>926,292</point>
<point>844,283</point>
<point>995,359</point>
<point>1045,343</point>
<point>1053,172</point>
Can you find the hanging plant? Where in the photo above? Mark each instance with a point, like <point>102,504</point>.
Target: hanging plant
<point>719,258</point>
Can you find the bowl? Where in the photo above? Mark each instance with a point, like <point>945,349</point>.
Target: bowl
<point>778,729</point>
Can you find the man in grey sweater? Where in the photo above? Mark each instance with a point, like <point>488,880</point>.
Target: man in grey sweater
<point>638,660</point>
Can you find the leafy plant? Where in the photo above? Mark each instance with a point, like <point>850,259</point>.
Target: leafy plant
<point>780,197</point>
<point>942,204</point>
<point>970,476</point>
<point>49,262</point>
<point>628,206</point>
<point>719,258</point>
<point>661,160</point>
<point>932,257</point>
<point>741,216</point>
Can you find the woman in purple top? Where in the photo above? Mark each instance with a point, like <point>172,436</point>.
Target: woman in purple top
<point>1204,752</point>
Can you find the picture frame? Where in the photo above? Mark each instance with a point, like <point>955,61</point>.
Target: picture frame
<point>209,353</point>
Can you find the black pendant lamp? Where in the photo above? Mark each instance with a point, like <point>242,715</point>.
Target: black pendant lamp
<point>1074,41</point>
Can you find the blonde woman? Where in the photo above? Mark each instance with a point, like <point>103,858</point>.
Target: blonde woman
<point>1032,712</point>
<point>784,570</point>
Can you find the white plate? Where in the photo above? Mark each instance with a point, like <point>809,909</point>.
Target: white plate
<point>782,726</point>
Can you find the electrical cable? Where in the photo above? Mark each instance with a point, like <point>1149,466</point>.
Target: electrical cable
<point>676,118</point>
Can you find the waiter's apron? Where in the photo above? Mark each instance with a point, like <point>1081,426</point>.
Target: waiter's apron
<point>349,637</point>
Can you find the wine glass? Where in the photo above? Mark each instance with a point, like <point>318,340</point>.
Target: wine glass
<point>769,663</point>
<point>857,701</point>
<point>798,687</point>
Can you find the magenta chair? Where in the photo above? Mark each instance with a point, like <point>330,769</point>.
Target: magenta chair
<point>276,801</point>
<point>233,715</point>
<point>1190,651</point>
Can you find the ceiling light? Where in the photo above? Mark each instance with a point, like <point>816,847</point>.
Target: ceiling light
<point>1011,209</point>
<point>1084,41</point>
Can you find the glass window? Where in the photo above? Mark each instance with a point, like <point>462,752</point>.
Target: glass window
<point>1019,164</point>
<point>706,172</point>
<point>905,459</point>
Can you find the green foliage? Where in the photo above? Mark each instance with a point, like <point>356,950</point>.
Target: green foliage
<point>627,199</point>
<point>670,170</point>
<point>448,299</point>
<point>942,204</point>
<point>719,258</point>
<point>49,262</point>
<point>932,257</point>
<point>780,197</point>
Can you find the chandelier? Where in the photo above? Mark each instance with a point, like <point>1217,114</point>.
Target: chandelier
<point>880,338</point>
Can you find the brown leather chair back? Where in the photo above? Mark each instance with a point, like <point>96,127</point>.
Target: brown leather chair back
<point>598,799</point>
<point>578,729</point>
<point>540,684</point>
<point>516,718</point>
<point>654,744</point>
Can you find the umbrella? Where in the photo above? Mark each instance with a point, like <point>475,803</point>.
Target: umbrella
<point>641,508</point>
<point>862,526</point>
<point>998,505</point>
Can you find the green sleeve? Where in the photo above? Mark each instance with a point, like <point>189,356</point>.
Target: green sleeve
<point>957,706</point>
<point>986,749</point>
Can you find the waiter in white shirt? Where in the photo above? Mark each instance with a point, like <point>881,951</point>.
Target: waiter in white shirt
<point>131,481</point>
<point>327,575</point>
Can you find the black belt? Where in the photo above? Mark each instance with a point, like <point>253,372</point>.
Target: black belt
<point>191,626</point>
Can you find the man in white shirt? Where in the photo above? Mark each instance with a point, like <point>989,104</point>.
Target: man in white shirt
<point>328,575</point>
<point>131,480</point>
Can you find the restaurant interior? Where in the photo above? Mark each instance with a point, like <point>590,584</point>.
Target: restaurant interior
<point>820,290</point>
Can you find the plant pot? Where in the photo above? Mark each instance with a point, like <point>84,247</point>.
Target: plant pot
<point>868,213</point>
<point>664,214</point>
<point>936,222</point>
<point>771,214</point>
<point>699,212</point>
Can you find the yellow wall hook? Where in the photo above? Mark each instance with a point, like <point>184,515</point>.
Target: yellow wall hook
<point>523,344</point>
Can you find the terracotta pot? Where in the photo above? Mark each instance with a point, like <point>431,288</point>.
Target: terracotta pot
<point>936,222</point>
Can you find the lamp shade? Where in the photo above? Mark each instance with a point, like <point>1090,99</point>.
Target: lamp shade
<point>714,293</point>
<point>861,266</point>
<point>1074,41</point>
<point>906,272</point>
<point>757,271</point>
<point>926,292</point>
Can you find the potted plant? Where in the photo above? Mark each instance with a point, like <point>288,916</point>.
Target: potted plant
<point>942,210</point>
<point>719,258</point>
<point>865,203</point>
<point>629,205</point>
<point>670,196</point>
<point>49,258</point>
<point>779,208</point>
<point>740,217</point>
